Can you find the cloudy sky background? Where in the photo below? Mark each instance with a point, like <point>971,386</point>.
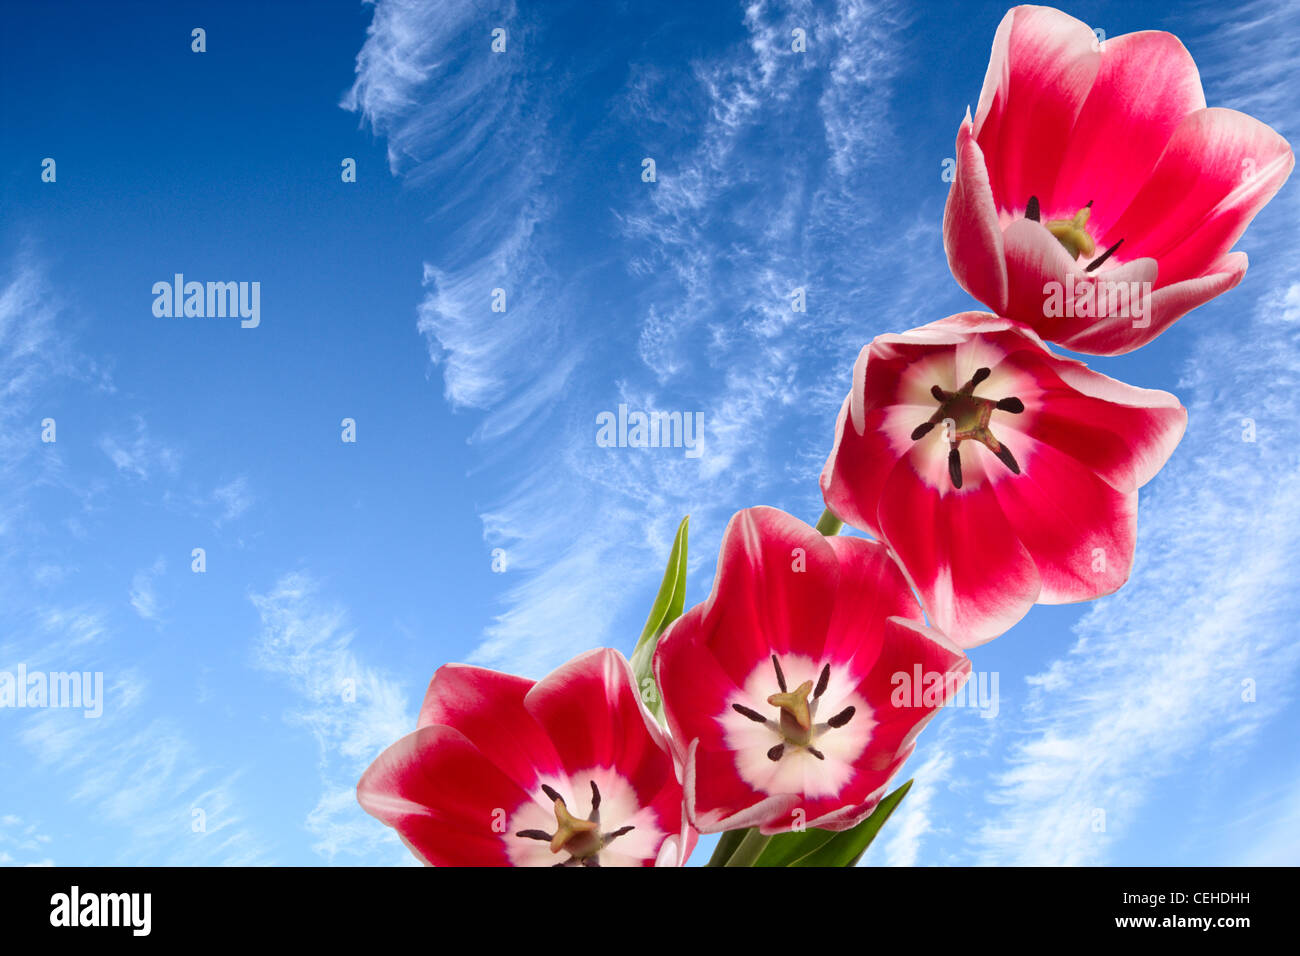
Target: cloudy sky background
<point>1121,734</point>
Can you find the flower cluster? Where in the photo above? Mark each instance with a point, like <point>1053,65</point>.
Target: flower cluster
<point>1096,201</point>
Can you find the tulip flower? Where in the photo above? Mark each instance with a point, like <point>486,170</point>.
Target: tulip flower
<point>568,771</point>
<point>1096,198</point>
<point>783,690</point>
<point>1000,473</point>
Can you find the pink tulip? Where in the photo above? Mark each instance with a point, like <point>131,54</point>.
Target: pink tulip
<point>1096,197</point>
<point>569,771</point>
<point>999,473</point>
<point>784,689</point>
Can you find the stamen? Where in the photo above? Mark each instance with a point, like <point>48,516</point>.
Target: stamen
<point>920,431</point>
<point>822,682</point>
<point>534,835</point>
<point>1008,459</point>
<point>816,753</point>
<point>1088,204</point>
<point>1031,210</point>
<point>939,394</point>
<point>591,861</point>
<point>753,715</point>
<point>775,753</point>
<point>842,718</point>
<point>595,798</point>
<point>1013,405</point>
<point>980,375</point>
<point>780,677</point>
<point>954,466</point>
<point>618,833</point>
<point>550,792</point>
<point>1095,263</point>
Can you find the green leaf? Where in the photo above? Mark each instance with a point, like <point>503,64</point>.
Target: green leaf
<point>846,847</point>
<point>726,847</point>
<point>786,848</point>
<point>668,606</point>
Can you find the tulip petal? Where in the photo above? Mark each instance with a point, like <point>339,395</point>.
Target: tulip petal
<point>1146,84</point>
<point>593,715</point>
<point>443,796</point>
<point>1043,65</point>
<point>1049,292</point>
<point>972,235</point>
<point>717,799</point>
<point>686,670</point>
<point>1219,168</point>
<point>1119,432</point>
<point>773,591</point>
<point>487,706</point>
<point>872,590</point>
<point>1080,530</point>
<point>974,577</point>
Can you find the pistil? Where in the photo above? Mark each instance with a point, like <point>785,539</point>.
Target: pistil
<point>969,416</point>
<point>581,839</point>
<point>1073,233</point>
<point>796,712</point>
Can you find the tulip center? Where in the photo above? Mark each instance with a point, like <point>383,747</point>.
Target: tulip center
<point>966,416</point>
<point>1073,233</point>
<point>795,723</point>
<point>580,838</point>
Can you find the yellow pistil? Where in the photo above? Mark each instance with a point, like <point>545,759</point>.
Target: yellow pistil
<point>568,827</point>
<point>1073,233</point>
<point>796,718</point>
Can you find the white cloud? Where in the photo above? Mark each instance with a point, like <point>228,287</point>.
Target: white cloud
<point>144,596</point>
<point>351,709</point>
<point>138,454</point>
<point>233,498</point>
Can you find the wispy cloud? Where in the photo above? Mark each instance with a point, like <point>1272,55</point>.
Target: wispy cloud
<point>233,499</point>
<point>352,710</point>
<point>714,249</point>
<point>144,597</point>
<point>138,454</point>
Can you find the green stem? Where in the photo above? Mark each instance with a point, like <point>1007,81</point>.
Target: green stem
<point>727,844</point>
<point>750,848</point>
<point>828,524</point>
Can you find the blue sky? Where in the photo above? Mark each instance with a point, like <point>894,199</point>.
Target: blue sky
<point>335,567</point>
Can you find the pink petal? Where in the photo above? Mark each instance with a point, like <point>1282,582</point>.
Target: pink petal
<point>972,234</point>
<point>1040,73</point>
<point>488,708</point>
<point>855,473</point>
<point>1168,304</point>
<point>443,796</point>
<point>593,715</point>
<point>718,799</point>
<point>1151,423</point>
<point>912,649</point>
<point>773,591</point>
<point>872,589</point>
<point>1219,168</point>
<point>1079,530</point>
<point>693,686</point>
<point>1042,279</point>
<point>1146,84</point>
<point>975,578</point>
